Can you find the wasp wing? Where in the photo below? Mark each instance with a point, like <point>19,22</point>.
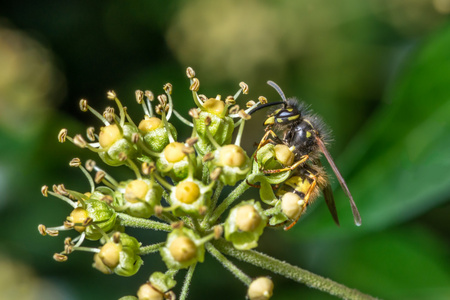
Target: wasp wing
<point>329,198</point>
<point>356,215</point>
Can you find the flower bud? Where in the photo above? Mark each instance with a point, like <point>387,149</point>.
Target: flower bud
<point>140,197</point>
<point>109,135</point>
<point>79,216</point>
<point>234,163</point>
<point>155,135</point>
<point>284,155</point>
<point>117,144</point>
<point>174,162</point>
<point>181,249</point>
<point>110,254</point>
<point>266,159</point>
<point>121,258</point>
<point>187,192</point>
<point>260,289</point>
<point>148,292</point>
<point>291,205</point>
<point>245,224</point>
<point>174,152</point>
<point>189,197</point>
<point>232,155</point>
<point>135,190</point>
<point>213,117</point>
<point>214,106</point>
<point>247,218</point>
<point>102,215</point>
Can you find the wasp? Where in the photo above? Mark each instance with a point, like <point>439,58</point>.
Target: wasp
<point>306,135</point>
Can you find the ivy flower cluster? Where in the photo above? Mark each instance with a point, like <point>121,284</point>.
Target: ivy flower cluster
<point>176,188</point>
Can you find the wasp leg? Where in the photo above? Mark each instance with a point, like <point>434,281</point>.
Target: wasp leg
<point>290,168</point>
<point>265,140</point>
<point>305,199</point>
<point>253,185</point>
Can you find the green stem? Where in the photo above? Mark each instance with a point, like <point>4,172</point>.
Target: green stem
<point>289,271</point>
<point>214,200</point>
<point>238,191</point>
<point>151,248</point>
<point>129,221</point>
<point>187,282</point>
<point>228,264</point>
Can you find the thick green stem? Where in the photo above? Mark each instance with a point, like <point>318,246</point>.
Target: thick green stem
<point>228,264</point>
<point>129,221</point>
<point>238,191</point>
<point>187,282</point>
<point>151,248</point>
<point>290,271</point>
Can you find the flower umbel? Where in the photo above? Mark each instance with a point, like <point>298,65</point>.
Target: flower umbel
<point>176,187</point>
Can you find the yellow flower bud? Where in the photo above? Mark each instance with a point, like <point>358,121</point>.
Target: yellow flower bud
<point>183,249</point>
<point>78,215</point>
<point>173,152</point>
<point>148,292</point>
<point>247,218</point>
<point>109,135</point>
<point>110,254</point>
<point>260,289</point>
<point>214,106</point>
<point>150,124</point>
<point>136,189</point>
<point>291,205</point>
<point>187,192</point>
<point>284,155</point>
<point>232,156</point>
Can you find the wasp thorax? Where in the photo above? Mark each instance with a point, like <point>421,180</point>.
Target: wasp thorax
<point>260,289</point>
<point>284,155</point>
<point>214,106</point>
<point>136,189</point>
<point>109,135</point>
<point>110,254</point>
<point>247,218</point>
<point>148,292</point>
<point>183,249</point>
<point>187,192</point>
<point>291,205</point>
<point>173,152</point>
<point>78,216</point>
<point>150,124</point>
<point>232,156</point>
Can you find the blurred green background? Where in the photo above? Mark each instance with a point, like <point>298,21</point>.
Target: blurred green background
<point>378,71</point>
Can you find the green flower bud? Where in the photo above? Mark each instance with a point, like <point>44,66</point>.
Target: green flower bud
<point>189,197</point>
<point>155,135</point>
<point>292,205</point>
<point>162,282</point>
<point>260,289</point>
<point>181,249</point>
<point>110,254</point>
<point>266,159</point>
<point>245,224</point>
<point>121,258</point>
<point>102,215</point>
<point>140,197</point>
<point>148,292</point>
<point>221,126</point>
<point>174,162</point>
<point>116,144</point>
<point>234,162</point>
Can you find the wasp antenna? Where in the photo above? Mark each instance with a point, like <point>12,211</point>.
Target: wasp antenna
<point>278,89</point>
<point>265,105</point>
